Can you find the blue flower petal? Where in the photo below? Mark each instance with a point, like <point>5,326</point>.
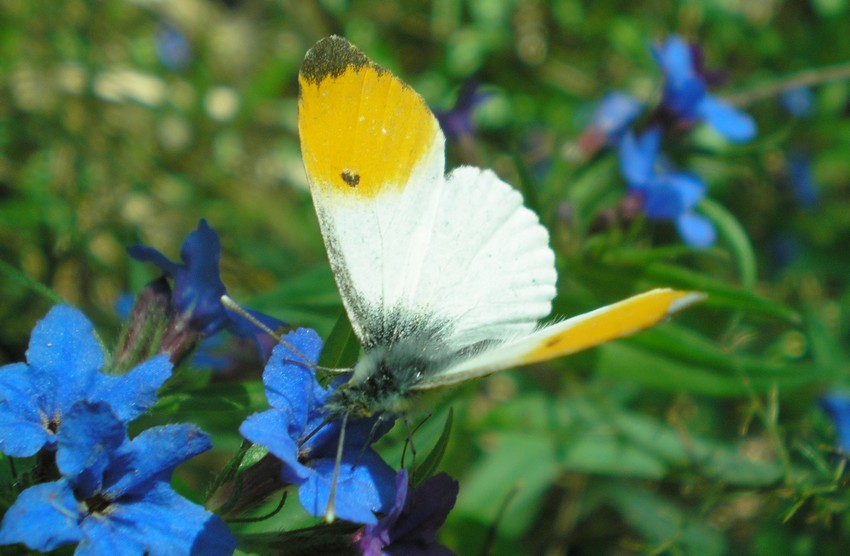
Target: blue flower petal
<point>802,180</point>
<point>675,58</point>
<point>288,380</point>
<point>44,517</point>
<point>153,454</point>
<point>696,230</point>
<point>837,404</point>
<point>161,522</point>
<point>133,393</point>
<point>21,431</point>
<point>19,438</point>
<point>615,112</point>
<point>689,187</point>
<point>637,156</point>
<point>662,201</point>
<point>727,120</point>
<point>242,327</point>
<point>146,254</point>
<point>89,434</point>
<point>798,101</point>
<point>64,354</point>
<point>364,487</point>
<point>274,430</point>
<point>198,287</point>
<point>428,507</point>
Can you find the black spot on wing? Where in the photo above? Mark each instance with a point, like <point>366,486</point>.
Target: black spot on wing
<point>351,178</point>
<point>330,57</point>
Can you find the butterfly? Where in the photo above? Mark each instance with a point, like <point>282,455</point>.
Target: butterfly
<point>444,276</point>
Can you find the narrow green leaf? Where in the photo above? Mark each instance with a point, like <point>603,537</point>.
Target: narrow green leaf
<point>342,347</point>
<point>13,273</point>
<point>432,461</point>
<point>735,236</point>
<point>524,459</point>
<point>719,293</point>
<point>664,523</point>
<point>527,183</point>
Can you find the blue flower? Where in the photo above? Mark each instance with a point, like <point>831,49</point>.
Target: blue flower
<point>412,524</point>
<point>798,101</point>
<point>173,48</point>
<point>198,287</point>
<point>63,367</point>
<point>686,94</point>
<point>613,115</point>
<point>610,120</point>
<point>114,495</point>
<point>802,180</point>
<point>297,432</point>
<point>837,404</point>
<point>457,122</point>
<point>666,195</point>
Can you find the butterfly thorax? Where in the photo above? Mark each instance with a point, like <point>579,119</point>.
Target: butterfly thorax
<point>384,378</point>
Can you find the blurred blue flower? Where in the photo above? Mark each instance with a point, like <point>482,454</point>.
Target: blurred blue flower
<point>666,195</point>
<point>198,288</point>
<point>114,495</point>
<point>837,405</point>
<point>798,102</point>
<point>802,180</point>
<point>63,367</point>
<point>123,305</point>
<point>172,47</point>
<point>297,431</point>
<point>411,526</point>
<point>457,122</point>
<point>614,113</point>
<point>610,120</point>
<point>686,94</point>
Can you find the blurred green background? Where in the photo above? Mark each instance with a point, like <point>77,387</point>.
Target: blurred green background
<point>700,437</point>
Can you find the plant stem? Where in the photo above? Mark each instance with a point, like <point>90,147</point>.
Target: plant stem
<point>806,78</point>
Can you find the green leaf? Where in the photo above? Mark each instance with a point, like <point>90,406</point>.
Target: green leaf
<point>719,293</point>
<point>735,236</point>
<point>527,183</point>
<point>342,348</point>
<point>627,361</point>
<point>432,461</point>
<point>671,529</point>
<point>12,273</point>
<point>523,459</point>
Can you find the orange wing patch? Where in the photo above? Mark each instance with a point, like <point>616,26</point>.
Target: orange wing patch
<point>613,321</point>
<point>362,129</point>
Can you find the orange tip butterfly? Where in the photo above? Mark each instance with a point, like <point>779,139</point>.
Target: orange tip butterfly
<point>444,276</point>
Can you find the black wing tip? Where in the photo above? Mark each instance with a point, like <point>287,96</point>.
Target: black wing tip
<point>330,57</point>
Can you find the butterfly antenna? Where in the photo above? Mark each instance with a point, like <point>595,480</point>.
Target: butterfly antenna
<point>228,302</point>
<point>313,432</point>
<point>330,511</point>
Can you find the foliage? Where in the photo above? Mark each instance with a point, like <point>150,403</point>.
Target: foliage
<point>129,122</point>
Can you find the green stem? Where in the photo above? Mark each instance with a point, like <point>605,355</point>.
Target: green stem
<point>806,78</point>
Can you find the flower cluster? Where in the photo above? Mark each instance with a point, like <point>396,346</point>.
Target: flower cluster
<point>665,193</point>
<point>109,491</point>
<point>91,485</point>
